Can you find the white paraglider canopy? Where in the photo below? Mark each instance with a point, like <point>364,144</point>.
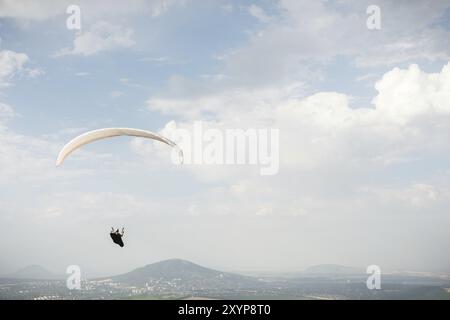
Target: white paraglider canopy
<point>100,134</point>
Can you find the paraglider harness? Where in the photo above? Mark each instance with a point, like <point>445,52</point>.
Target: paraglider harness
<point>116,236</point>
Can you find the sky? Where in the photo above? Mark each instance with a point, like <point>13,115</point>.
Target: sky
<point>363,116</point>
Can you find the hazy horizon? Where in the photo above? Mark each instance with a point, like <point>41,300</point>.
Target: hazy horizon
<point>251,272</point>
<point>363,118</point>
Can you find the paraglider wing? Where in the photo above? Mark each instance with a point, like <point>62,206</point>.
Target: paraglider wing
<point>100,134</point>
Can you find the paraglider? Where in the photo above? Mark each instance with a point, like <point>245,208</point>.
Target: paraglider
<point>106,133</point>
<point>116,236</point>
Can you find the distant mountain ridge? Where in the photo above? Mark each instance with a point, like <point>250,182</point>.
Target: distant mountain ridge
<point>191,274</point>
<point>35,272</point>
<point>333,269</point>
<point>184,273</point>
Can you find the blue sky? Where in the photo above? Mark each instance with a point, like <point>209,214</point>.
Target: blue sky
<point>363,117</point>
<point>189,36</point>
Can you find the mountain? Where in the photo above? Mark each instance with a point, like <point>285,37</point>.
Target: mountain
<point>333,269</point>
<point>184,274</point>
<point>35,272</point>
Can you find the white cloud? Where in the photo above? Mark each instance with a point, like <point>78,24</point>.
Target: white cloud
<point>35,72</point>
<point>163,61</point>
<point>102,36</point>
<point>82,74</point>
<point>29,10</point>
<point>407,94</point>
<point>116,94</point>
<point>227,8</point>
<point>410,116</point>
<point>407,103</point>
<point>11,63</point>
<point>101,204</point>
<point>312,33</point>
<point>130,83</point>
<point>26,159</point>
<point>161,6</point>
<point>258,13</point>
<point>327,147</point>
<point>231,103</point>
<point>415,196</point>
<point>6,113</point>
